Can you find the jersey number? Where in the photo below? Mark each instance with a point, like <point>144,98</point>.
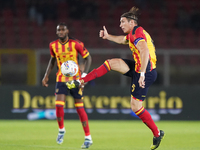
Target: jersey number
<point>133,87</point>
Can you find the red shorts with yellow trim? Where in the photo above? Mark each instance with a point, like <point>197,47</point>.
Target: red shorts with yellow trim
<point>136,91</point>
<point>61,88</point>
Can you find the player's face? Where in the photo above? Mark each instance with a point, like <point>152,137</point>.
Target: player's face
<point>62,32</point>
<point>126,25</point>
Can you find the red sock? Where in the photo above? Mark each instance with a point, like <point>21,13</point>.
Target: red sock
<point>96,73</point>
<point>144,115</point>
<point>83,117</point>
<point>60,113</point>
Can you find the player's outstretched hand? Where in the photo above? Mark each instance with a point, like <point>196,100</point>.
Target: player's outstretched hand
<point>44,81</point>
<point>103,33</point>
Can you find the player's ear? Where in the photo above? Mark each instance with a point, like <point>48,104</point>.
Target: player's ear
<point>132,21</point>
<point>67,31</point>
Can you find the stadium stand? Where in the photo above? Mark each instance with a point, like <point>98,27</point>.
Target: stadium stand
<point>160,21</point>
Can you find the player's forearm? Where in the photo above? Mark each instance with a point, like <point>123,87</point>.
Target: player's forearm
<point>117,39</point>
<point>144,56</point>
<point>50,66</point>
<point>87,62</point>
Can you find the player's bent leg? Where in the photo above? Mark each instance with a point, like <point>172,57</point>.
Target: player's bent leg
<point>98,72</point>
<point>95,73</point>
<point>117,64</point>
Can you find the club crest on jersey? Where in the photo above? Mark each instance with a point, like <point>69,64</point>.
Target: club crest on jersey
<point>68,48</point>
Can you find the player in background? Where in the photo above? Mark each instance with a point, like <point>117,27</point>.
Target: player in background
<point>142,69</point>
<point>63,49</point>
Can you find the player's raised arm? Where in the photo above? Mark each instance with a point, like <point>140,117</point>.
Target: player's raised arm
<point>120,39</point>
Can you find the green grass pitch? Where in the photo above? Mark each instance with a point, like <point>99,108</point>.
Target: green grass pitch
<point>107,135</point>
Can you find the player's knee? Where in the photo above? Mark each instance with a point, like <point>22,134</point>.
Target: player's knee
<point>117,64</point>
<point>135,105</point>
<point>112,62</point>
<point>134,108</point>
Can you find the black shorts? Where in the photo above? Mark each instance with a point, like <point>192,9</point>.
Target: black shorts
<point>136,91</point>
<point>61,88</point>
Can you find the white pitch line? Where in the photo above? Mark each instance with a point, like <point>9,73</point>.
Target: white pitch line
<point>40,146</point>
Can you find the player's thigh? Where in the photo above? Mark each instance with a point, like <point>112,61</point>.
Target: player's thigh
<point>61,91</point>
<point>60,97</point>
<point>78,100</point>
<point>117,64</point>
<point>77,94</point>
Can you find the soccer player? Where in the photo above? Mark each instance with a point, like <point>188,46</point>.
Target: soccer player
<point>63,49</point>
<point>142,69</point>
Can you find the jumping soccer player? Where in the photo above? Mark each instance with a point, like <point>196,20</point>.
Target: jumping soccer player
<point>61,50</point>
<point>142,69</point>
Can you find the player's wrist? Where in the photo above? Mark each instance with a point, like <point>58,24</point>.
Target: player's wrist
<point>142,74</point>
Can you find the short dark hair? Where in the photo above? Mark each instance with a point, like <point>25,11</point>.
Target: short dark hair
<point>133,14</point>
<point>62,24</point>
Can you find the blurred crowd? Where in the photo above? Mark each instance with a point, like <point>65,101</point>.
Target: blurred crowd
<point>41,10</point>
<point>187,19</point>
<point>161,18</point>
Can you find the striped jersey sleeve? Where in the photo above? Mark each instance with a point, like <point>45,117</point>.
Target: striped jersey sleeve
<point>137,35</point>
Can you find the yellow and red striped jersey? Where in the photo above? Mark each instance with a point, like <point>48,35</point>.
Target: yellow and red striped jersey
<point>136,35</point>
<point>68,50</point>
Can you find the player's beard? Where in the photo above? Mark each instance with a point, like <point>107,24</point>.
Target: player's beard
<point>63,38</point>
